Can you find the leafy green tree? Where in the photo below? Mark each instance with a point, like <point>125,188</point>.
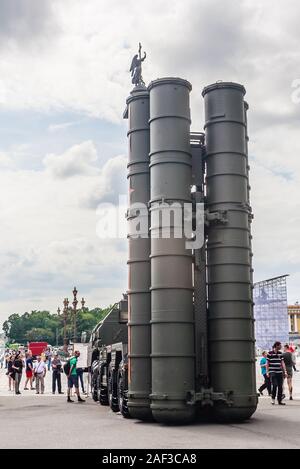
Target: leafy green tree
<point>39,334</point>
<point>44,326</point>
<point>13,328</point>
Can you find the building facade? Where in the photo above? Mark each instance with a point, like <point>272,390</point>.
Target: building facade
<point>294,324</point>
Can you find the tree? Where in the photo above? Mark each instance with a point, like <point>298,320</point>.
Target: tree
<point>13,328</point>
<point>39,334</point>
<point>44,326</point>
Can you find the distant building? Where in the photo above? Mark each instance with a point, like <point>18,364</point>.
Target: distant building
<point>270,312</point>
<point>294,323</point>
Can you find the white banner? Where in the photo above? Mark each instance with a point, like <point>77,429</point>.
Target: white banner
<point>82,361</point>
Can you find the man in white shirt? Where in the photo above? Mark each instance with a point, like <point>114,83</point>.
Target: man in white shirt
<point>40,369</point>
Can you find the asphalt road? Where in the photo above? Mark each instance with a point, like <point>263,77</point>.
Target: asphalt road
<point>49,422</point>
<point>46,421</point>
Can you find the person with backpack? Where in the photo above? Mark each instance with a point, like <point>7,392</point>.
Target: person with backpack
<point>71,372</point>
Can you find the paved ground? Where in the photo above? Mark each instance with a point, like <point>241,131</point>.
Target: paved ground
<point>50,422</point>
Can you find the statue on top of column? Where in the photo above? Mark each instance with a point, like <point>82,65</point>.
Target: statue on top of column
<point>136,68</point>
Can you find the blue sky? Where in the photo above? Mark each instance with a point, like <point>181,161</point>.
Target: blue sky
<point>55,132</point>
<point>64,79</point>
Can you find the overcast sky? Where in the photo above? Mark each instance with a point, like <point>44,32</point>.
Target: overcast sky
<point>63,84</point>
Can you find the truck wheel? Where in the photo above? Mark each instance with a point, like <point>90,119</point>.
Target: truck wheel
<point>112,398</point>
<point>103,398</point>
<point>94,393</point>
<point>102,390</point>
<point>94,389</point>
<point>123,399</point>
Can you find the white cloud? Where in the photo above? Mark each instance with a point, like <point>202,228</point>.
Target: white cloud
<point>49,241</point>
<point>85,66</point>
<point>5,161</point>
<point>109,185</point>
<point>23,21</point>
<point>62,126</point>
<point>75,56</point>
<point>75,161</point>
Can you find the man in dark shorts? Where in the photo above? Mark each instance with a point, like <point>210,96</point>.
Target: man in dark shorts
<point>276,371</point>
<point>73,378</point>
<point>289,363</point>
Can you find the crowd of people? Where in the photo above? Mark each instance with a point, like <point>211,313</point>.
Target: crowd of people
<point>36,369</point>
<point>276,366</point>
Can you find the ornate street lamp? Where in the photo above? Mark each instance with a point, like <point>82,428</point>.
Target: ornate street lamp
<point>75,302</point>
<point>56,330</point>
<point>65,316</point>
<point>71,312</point>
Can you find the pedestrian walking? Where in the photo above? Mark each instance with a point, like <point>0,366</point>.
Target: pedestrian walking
<point>289,362</point>
<point>6,357</point>
<point>48,355</point>
<point>73,377</point>
<point>29,371</point>
<point>294,353</point>
<point>10,373</point>
<point>263,368</point>
<point>56,374</point>
<point>276,371</point>
<point>80,378</point>
<point>2,358</point>
<point>40,370</point>
<point>17,366</point>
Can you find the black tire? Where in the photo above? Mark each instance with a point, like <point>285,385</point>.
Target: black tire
<point>94,388</point>
<point>94,381</point>
<point>102,390</point>
<point>123,398</point>
<point>112,395</point>
<point>94,393</point>
<point>103,397</point>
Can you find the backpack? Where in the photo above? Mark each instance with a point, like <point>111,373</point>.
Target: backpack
<point>67,367</point>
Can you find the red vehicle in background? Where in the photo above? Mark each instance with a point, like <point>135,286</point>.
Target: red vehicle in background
<point>37,348</point>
